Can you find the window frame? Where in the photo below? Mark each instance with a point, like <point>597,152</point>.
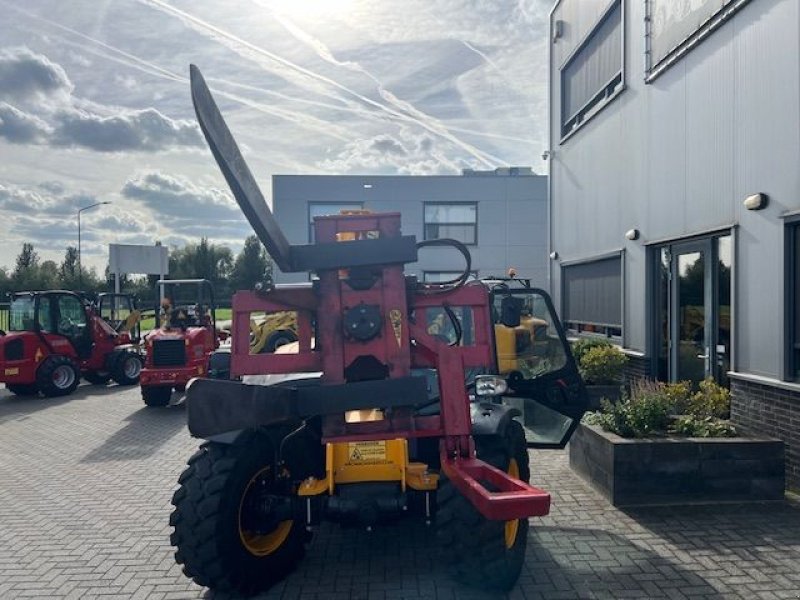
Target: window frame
<point>791,278</point>
<point>612,332</point>
<point>310,220</point>
<point>605,95</point>
<point>445,203</point>
<point>654,70</point>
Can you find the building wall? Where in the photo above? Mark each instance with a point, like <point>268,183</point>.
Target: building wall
<point>512,215</point>
<point>679,155</point>
<point>676,157</point>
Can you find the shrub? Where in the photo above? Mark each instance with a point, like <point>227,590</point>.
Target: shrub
<point>583,345</point>
<point>647,410</point>
<point>693,426</point>
<point>713,400</point>
<point>642,412</point>
<point>602,365</point>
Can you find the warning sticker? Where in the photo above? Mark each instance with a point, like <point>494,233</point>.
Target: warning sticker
<point>366,452</point>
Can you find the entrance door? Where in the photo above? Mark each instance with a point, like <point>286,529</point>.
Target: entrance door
<point>691,303</point>
<point>692,313</point>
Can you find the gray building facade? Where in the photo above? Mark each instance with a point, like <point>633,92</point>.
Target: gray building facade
<point>675,194</point>
<point>500,215</point>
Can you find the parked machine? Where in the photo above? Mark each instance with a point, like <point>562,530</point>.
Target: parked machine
<point>184,338</point>
<point>55,337</point>
<point>373,416</point>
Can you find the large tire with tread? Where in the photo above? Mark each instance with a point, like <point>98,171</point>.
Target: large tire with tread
<point>57,376</point>
<point>480,552</point>
<point>97,377</point>
<point>156,395</point>
<point>22,389</point>
<point>211,543</point>
<point>126,367</point>
<point>279,338</point>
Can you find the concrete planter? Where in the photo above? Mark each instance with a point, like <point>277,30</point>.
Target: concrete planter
<point>676,470</point>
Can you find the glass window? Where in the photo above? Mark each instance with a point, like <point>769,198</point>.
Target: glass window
<point>21,314</point>
<point>593,297</point>
<point>593,75</point>
<point>71,316</point>
<point>323,209</point>
<point>46,314</point>
<point>673,28</point>
<point>452,221</point>
<point>723,341</point>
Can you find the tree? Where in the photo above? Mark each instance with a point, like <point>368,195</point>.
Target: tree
<point>251,265</point>
<point>26,271</point>
<point>69,266</point>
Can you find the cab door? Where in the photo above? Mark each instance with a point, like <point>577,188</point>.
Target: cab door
<point>535,358</point>
<point>71,322</point>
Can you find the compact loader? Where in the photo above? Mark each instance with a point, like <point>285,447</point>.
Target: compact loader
<point>56,337</point>
<point>373,412</point>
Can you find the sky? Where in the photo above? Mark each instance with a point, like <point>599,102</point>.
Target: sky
<point>95,106</point>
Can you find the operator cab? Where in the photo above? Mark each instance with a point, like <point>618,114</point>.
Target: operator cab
<point>186,303</point>
<point>121,314</point>
<point>55,312</point>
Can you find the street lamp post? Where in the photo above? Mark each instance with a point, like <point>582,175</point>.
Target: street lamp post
<point>80,265</point>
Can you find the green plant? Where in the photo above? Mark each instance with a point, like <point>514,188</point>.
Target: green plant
<point>583,345</point>
<point>679,394</point>
<point>712,400</point>
<point>694,426</point>
<point>602,365</point>
<point>642,412</point>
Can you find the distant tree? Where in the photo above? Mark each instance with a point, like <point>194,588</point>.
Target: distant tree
<point>203,261</point>
<point>48,276</point>
<point>26,271</point>
<point>251,265</point>
<point>68,271</point>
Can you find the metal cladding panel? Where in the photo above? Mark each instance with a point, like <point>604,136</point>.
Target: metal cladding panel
<point>678,156</point>
<point>578,17</point>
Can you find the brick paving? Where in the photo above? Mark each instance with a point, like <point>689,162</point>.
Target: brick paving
<point>85,484</point>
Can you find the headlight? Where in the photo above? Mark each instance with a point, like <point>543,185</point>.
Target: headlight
<point>490,385</point>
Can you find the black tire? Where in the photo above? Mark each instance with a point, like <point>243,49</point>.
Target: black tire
<point>97,377</point>
<point>209,537</point>
<point>156,395</point>
<point>479,552</point>
<point>22,389</point>
<point>126,367</point>
<point>57,376</point>
<point>279,338</point>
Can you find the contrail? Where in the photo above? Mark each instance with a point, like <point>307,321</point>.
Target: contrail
<point>150,68</point>
<point>419,120</point>
<point>423,119</point>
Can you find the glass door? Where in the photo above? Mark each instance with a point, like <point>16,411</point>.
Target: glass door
<point>692,315</point>
<point>691,350</point>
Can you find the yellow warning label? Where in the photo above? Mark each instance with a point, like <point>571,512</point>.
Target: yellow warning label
<point>14,371</point>
<point>396,319</point>
<point>366,452</point>
<point>38,356</point>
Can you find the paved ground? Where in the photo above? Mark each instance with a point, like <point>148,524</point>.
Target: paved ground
<point>85,485</point>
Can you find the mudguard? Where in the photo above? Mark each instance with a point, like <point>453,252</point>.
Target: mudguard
<point>112,356</point>
<point>491,419</point>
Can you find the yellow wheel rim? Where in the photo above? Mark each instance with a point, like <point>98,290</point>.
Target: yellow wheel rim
<point>512,526</point>
<point>262,544</point>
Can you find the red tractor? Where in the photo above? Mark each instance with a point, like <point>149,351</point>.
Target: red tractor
<point>390,402</point>
<point>178,349</point>
<point>55,337</point>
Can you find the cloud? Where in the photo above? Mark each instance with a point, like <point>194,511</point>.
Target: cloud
<point>143,130</point>
<point>37,106</point>
<point>177,198</point>
<point>19,127</point>
<point>49,198</point>
<point>25,74</point>
<point>403,153</point>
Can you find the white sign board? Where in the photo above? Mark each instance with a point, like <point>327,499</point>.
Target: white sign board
<point>128,258</point>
